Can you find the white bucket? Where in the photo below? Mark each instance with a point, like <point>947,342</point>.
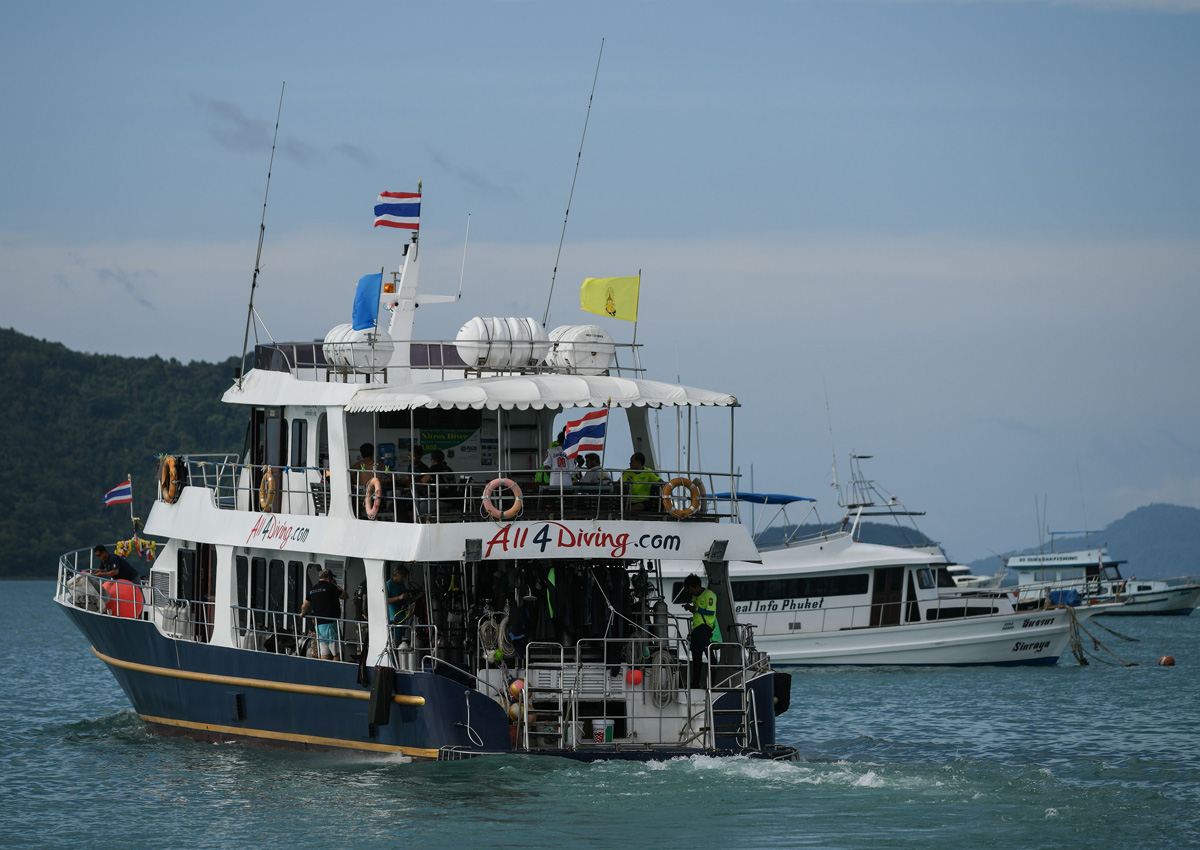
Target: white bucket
<point>602,731</point>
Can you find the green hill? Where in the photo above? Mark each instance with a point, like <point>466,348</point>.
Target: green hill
<point>78,424</point>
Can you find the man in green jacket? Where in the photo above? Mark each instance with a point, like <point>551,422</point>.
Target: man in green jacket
<point>704,625</point>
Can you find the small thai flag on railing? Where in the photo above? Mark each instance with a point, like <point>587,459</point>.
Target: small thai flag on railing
<point>398,209</point>
<point>586,434</point>
<point>120,494</point>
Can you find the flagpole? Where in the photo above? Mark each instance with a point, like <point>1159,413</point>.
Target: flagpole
<point>637,303</point>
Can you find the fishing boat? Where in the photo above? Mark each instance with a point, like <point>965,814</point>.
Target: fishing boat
<point>1093,574</point>
<point>479,607</point>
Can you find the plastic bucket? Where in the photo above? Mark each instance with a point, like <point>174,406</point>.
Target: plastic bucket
<point>602,731</point>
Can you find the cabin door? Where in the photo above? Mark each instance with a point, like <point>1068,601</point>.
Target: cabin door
<point>268,451</point>
<point>887,592</point>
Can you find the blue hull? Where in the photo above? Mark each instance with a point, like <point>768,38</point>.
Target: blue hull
<point>221,694</point>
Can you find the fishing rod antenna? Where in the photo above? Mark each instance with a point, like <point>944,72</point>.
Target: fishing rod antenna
<point>262,229</point>
<point>571,194</point>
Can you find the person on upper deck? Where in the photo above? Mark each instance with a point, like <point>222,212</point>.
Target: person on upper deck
<point>592,473</point>
<point>324,603</point>
<point>704,625</point>
<point>114,566</point>
<point>558,464</point>
<point>640,480</point>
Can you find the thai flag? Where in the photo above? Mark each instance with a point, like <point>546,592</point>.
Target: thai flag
<point>120,494</point>
<point>586,434</point>
<point>398,209</point>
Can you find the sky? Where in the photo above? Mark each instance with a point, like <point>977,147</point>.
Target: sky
<point>962,237</point>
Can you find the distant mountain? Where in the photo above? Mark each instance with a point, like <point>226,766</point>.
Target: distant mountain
<point>77,424</point>
<point>1156,541</point>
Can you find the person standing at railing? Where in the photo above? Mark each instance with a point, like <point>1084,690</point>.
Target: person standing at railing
<point>324,603</point>
<point>114,566</point>
<point>704,625</point>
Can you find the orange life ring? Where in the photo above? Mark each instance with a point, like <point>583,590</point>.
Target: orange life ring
<point>703,495</point>
<point>373,498</point>
<point>668,500</point>
<point>266,492</point>
<point>492,487</point>
<point>169,479</point>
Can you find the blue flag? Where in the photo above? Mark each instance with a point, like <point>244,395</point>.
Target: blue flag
<point>366,301</point>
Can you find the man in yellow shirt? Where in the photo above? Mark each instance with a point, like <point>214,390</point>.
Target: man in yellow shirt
<point>704,625</point>
<point>639,482</point>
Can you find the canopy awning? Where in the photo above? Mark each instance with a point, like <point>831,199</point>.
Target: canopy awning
<point>535,391</point>
<point>763,498</point>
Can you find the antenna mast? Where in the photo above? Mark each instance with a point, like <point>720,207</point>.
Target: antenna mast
<point>262,229</point>
<point>579,156</point>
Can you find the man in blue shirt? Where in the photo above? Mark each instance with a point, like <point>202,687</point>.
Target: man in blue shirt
<point>114,566</point>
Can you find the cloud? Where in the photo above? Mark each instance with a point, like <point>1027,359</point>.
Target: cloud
<point>232,128</point>
<point>472,178</point>
<point>129,282</point>
<point>355,154</point>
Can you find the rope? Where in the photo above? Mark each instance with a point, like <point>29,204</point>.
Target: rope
<point>1080,651</point>
<point>1118,634</point>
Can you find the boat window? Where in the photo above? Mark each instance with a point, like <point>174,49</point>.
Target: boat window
<point>797,588</point>
<point>243,578</point>
<point>925,578</point>
<point>944,579</point>
<point>258,590</point>
<point>959,613</point>
<point>299,443</point>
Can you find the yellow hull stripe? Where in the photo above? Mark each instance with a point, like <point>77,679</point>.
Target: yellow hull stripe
<point>261,684</point>
<point>315,740</point>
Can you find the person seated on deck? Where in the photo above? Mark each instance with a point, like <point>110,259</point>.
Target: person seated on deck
<point>641,483</point>
<point>592,473</point>
<point>114,566</point>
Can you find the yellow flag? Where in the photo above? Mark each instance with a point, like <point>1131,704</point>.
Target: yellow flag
<point>616,297</point>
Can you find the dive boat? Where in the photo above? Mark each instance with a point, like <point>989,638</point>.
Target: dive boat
<point>831,599</point>
<point>532,618</point>
<point>1095,575</point>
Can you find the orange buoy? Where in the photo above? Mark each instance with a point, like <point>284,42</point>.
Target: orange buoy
<point>633,677</point>
<point>1166,661</point>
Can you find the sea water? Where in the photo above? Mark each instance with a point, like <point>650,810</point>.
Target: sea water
<point>1059,757</point>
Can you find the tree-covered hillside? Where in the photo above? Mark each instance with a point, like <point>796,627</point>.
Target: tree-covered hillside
<point>77,424</point>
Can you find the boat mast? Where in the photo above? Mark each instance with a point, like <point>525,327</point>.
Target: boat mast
<point>262,229</point>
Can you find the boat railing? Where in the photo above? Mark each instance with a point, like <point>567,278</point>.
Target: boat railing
<point>362,362</point>
<point>289,633</point>
<point>78,585</point>
<point>385,494</point>
<point>382,494</point>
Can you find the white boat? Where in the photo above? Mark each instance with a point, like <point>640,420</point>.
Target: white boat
<point>533,621</point>
<point>833,600</point>
<point>1094,575</point>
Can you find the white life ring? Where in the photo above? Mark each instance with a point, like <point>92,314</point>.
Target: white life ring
<point>669,502</point>
<point>373,498</point>
<point>494,485</point>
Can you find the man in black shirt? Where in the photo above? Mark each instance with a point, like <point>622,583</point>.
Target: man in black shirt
<point>114,566</point>
<point>324,603</point>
